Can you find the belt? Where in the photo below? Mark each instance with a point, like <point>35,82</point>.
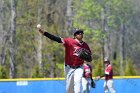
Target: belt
<point>73,67</point>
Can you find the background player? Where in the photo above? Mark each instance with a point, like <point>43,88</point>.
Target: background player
<point>87,81</point>
<point>73,63</point>
<point>108,84</point>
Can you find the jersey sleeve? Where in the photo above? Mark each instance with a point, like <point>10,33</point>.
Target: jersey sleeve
<point>65,41</point>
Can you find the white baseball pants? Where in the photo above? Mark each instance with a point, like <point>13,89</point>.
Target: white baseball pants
<point>108,85</point>
<point>86,85</point>
<point>73,79</point>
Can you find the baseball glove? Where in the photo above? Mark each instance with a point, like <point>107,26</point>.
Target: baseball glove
<point>85,55</point>
<point>93,84</point>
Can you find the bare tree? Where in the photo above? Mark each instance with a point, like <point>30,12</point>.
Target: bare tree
<point>12,39</point>
<point>4,28</point>
<point>105,29</point>
<point>69,14</point>
<point>38,37</point>
<point>1,34</point>
<point>121,50</point>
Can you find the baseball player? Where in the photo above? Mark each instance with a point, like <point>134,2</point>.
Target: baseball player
<point>108,84</point>
<point>73,64</point>
<point>87,81</point>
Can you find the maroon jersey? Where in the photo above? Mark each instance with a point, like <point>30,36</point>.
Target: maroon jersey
<point>109,71</point>
<point>72,48</point>
<point>87,71</point>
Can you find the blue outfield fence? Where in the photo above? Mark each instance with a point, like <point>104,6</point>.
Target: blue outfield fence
<point>57,85</point>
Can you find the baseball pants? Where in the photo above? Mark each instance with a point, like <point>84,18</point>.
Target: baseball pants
<point>108,85</point>
<point>73,79</point>
<point>86,85</point>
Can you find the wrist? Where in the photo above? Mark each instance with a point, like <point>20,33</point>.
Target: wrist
<point>41,31</point>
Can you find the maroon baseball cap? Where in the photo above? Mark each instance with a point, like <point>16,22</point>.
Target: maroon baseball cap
<point>106,60</point>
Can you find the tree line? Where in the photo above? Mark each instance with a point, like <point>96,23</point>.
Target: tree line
<point>111,28</point>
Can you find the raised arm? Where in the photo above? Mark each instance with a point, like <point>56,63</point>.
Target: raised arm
<point>50,36</point>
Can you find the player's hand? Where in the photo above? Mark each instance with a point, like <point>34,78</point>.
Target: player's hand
<point>39,29</point>
<point>98,77</point>
<point>93,84</point>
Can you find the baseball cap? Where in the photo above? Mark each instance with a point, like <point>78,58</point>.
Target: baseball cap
<point>78,31</point>
<point>106,60</point>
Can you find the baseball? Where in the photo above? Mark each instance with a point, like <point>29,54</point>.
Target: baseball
<point>38,26</point>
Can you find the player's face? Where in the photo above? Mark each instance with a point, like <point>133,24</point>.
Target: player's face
<point>79,36</point>
<point>106,64</point>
